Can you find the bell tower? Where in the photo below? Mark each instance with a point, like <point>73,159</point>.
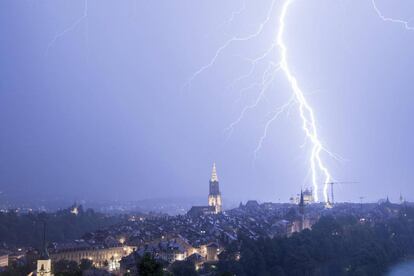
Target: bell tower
<point>214,196</point>
<point>44,263</point>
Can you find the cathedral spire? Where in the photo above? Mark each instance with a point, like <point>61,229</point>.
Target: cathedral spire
<point>214,177</point>
<point>214,196</point>
<point>44,255</point>
<point>301,203</point>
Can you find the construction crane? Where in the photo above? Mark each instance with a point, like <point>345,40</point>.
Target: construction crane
<point>331,201</point>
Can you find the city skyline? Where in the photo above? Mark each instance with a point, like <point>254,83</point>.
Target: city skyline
<point>103,111</point>
<point>209,138</point>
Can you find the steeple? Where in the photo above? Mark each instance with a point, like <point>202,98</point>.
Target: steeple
<point>301,204</point>
<point>214,196</point>
<point>401,199</point>
<point>214,177</point>
<point>44,263</point>
<point>44,254</point>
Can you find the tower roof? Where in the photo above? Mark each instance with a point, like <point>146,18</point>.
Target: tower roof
<point>44,254</point>
<point>301,202</point>
<point>214,177</point>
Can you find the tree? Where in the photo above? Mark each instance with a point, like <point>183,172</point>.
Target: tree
<point>85,264</point>
<point>339,245</point>
<point>66,268</point>
<point>252,260</point>
<point>183,268</point>
<point>17,269</point>
<point>149,266</point>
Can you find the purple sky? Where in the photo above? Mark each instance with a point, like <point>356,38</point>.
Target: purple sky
<point>92,105</point>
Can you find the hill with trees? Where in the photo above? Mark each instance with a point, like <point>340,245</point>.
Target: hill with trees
<point>335,246</point>
<point>64,225</point>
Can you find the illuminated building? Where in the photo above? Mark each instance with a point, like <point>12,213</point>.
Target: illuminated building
<point>307,197</point>
<point>214,197</point>
<point>212,252</point>
<point>100,257</point>
<point>4,259</point>
<point>74,210</point>
<point>44,266</point>
<point>301,222</point>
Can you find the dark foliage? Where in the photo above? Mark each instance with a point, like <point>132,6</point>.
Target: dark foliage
<point>85,264</point>
<point>18,269</point>
<point>183,268</point>
<point>334,246</point>
<point>66,268</point>
<point>148,266</point>
<point>26,229</point>
<point>71,268</point>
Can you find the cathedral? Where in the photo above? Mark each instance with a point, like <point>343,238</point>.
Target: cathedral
<point>214,198</point>
<point>44,263</point>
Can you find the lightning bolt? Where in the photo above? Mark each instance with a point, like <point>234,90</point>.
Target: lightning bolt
<point>234,15</point>
<point>267,79</point>
<point>405,24</point>
<point>279,111</point>
<point>305,110</point>
<point>253,63</point>
<point>227,44</point>
<point>317,165</point>
<point>70,28</point>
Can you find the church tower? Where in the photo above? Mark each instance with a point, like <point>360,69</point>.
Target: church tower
<point>301,204</point>
<point>44,263</point>
<point>214,196</point>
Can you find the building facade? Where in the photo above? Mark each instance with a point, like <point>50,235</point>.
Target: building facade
<point>307,197</point>
<point>4,260</point>
<point>44,264</point>
<point>100,257</point>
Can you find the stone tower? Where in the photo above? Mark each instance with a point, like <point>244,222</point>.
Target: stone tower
<point>44,263</point>
<point>214,196</point>
<point>301,204</point>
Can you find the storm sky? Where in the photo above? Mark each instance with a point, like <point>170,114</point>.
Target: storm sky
<point>94,102</point>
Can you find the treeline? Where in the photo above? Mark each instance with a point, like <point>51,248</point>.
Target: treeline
<point>27,229</point>
<point>334,246</point>
<point>60,268</point>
